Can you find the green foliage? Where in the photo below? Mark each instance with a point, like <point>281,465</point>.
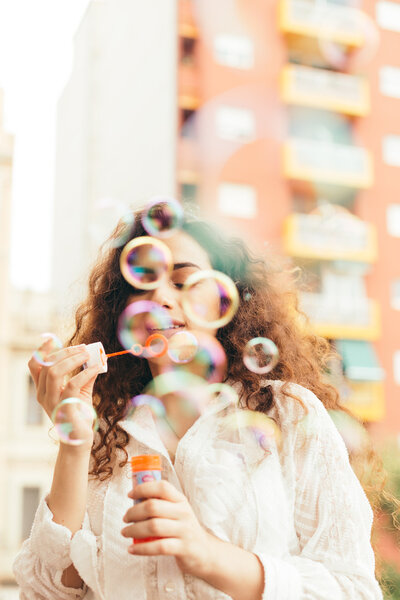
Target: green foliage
<point>390,582</point>
<point>390,503</point>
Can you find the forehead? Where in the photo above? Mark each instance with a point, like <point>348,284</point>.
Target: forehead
<point>184,248</point>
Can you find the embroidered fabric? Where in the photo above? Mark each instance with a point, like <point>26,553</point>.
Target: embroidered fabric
<point>301,510</point>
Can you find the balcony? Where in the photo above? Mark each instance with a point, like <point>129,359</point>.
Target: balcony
<point>326,162</point>
<point>334,22</point>
<point>320,88</point>
<point>188,86</point>
<point>366,400</point>
<point>186,19</point>
<point>339,236</point>
<point>340,317</point>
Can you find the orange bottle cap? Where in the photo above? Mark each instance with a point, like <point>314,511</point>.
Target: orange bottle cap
<point>146,462</point>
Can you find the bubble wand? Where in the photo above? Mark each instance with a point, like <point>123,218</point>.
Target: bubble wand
<point>99,357</point>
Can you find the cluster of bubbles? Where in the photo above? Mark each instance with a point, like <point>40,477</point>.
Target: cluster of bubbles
<point>192,362</point>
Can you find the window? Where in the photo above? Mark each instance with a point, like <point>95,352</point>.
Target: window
<point>188,50</point>
<point>391,150</point>
<point>189,192</point>
<point>319,125</point>
<point>34,412</point>
<point>236,124</point>
<point>388,15</point>
<point>234,51</point>
<point>30,502</point>
<point>395,294</point>
<point>396,367</point>
<point>237,200</point>
<point>393,220</point>
<point>188,122</point>
<point>389,81</point>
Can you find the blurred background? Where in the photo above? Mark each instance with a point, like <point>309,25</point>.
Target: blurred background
<point>277,119</point>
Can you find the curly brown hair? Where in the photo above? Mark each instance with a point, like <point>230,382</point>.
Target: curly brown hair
<point>268,308</point>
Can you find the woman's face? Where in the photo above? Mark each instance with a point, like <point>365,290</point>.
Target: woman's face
<point>188,257</point>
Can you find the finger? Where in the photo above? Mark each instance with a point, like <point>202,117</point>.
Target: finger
<point>83,379</point>
<point>34,368</point>
<point>51,379</point>
<point>156,489</point>
<point>56,373</point>
<point>153,528</point>
<point>148,509</point>
<point>57,355</point>
<point>165,546</point>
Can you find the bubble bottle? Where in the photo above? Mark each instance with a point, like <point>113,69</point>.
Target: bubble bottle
<point>145,467</point>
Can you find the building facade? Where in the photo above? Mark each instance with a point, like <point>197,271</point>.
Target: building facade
<point>277,118</point>
<point>290,133</point>
<point>27,453</point>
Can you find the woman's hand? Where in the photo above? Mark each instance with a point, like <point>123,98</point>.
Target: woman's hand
<point>166,513</point>
<point>52,386</point>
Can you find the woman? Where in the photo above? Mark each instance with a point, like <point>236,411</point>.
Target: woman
<point>298,528</point>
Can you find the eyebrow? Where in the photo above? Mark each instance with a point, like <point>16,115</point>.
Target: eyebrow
<point>183,265</point>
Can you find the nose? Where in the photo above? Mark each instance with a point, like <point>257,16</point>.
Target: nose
<point>165,294</point>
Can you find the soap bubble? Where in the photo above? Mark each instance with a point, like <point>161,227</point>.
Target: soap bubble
<point>210,299</point>
<point>260,355</point>
<point>50,345</point>
<point>354,435</point>
<point>108,212</point>
<point>182,347</point>
<point>210,360</point>
<point>221,395</point>
<point>137,326</point>
<point>144,261</point>
<point>163,216</point>
<point>180,385</point>
<point>72,419</point>
<point>262,428</point>
<point>343,57</point>
<point>156,406</point>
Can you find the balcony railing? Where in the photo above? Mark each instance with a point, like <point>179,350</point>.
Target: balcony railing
<point>320,88</point>
<point>340,236</point>
<point>186,19</point>
<point>341,317</point>
<point>324,20</point>
<point>339,164</point>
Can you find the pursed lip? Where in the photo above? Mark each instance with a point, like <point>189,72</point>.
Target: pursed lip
<point>168,331</point>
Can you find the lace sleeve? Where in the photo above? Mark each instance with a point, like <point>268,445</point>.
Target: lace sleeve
<point>44,556</point>
<point>49,550</point>
<point>332,519</point>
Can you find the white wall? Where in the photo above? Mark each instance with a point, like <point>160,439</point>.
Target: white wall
<point>116,123</point>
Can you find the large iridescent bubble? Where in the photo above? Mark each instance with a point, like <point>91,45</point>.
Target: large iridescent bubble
<point>260,355</point>
<point>144,261</point>
<point>73,418</point>
<point>140,328</point>
<point>51,344</point>
<point>210,299</point>
<point>162,217</point>
<point>182,347</point>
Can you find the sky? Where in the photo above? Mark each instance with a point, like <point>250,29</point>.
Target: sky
<point>36,52</point>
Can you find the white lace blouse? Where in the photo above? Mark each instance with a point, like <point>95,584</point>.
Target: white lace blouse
<point>301,509</point>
